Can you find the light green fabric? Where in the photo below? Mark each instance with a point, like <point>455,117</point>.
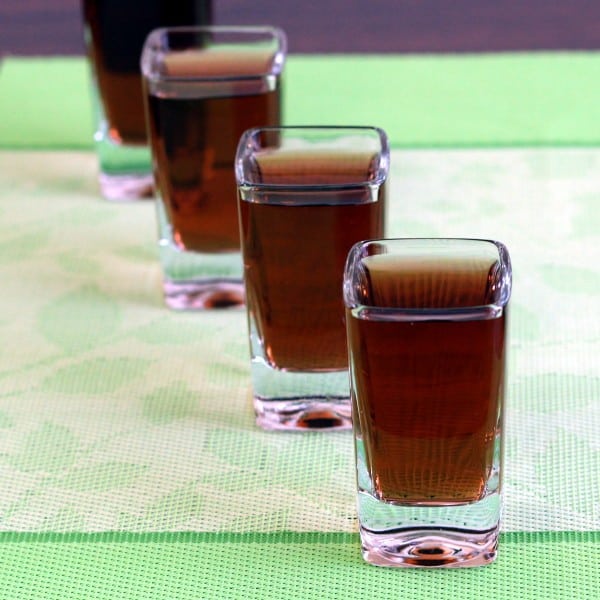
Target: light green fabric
<point>299,567</point>
<point>45,103</point>
<point>448,100</point>
<point>118,414</point>
<point>129,460</point>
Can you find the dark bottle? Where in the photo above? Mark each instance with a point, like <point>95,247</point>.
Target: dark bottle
<point>115,31</point>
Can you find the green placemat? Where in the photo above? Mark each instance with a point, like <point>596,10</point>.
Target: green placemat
<point>130,463</point>
<point>439,100</point>
<point>303,567</point>
<point>118,414</point>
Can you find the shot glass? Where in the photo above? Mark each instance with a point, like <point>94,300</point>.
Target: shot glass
<point>306,195</point>
<point>114,33</point>
<point>204,87</point>
<point>426,322</point>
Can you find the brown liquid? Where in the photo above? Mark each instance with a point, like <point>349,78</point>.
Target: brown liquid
<point>428,394</point>
<point>194,141</point>
<point>115,34</point>
<point>294,261</point>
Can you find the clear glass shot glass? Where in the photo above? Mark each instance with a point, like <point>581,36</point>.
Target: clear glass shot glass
<point>204,86</point>
<point>114,33</point>
<point>426,323</point>
<point>306,195</point>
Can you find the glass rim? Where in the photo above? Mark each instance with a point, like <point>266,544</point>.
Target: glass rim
<point>479,311</point>
<point>153,45</point>
<point>244,147</point>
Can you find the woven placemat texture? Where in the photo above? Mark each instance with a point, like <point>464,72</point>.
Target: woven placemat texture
<point>117,414</point>
<point>303,567</point>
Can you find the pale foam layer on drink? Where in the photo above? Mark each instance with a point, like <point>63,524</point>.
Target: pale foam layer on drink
<point>213,72</point>
<point>218,62</point>
<point>429,282</point>
<point>315,166</point>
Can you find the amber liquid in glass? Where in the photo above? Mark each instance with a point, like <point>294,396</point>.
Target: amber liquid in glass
<point>294,258</point>
<point>194,140</point>
<point>115,34</point>
<point>428,393</point>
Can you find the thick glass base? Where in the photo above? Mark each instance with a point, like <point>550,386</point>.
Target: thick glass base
<point>203,294</point>
<point>300,401</point>
<point>133,186</point>
<point>422,547</point>
<point>125,171</point>
<point>461,535</point>
<point>302,414</point>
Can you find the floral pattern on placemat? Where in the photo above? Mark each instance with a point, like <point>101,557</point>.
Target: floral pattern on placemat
<point>118,414</point>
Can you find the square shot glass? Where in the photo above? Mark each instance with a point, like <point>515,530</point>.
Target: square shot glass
<point>306,195</point>
<point>114,34</point>
<point>426,323</point>
<point>204,86</point>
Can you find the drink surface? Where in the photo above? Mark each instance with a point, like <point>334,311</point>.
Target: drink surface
<point>429,282</point>
<point>312,166</point>
<point>194,141</point>
<point>115,34</point>
<point>294,254</point>
<point>427,392</point>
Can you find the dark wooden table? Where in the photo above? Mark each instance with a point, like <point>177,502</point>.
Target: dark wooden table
<point>30,27</point>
